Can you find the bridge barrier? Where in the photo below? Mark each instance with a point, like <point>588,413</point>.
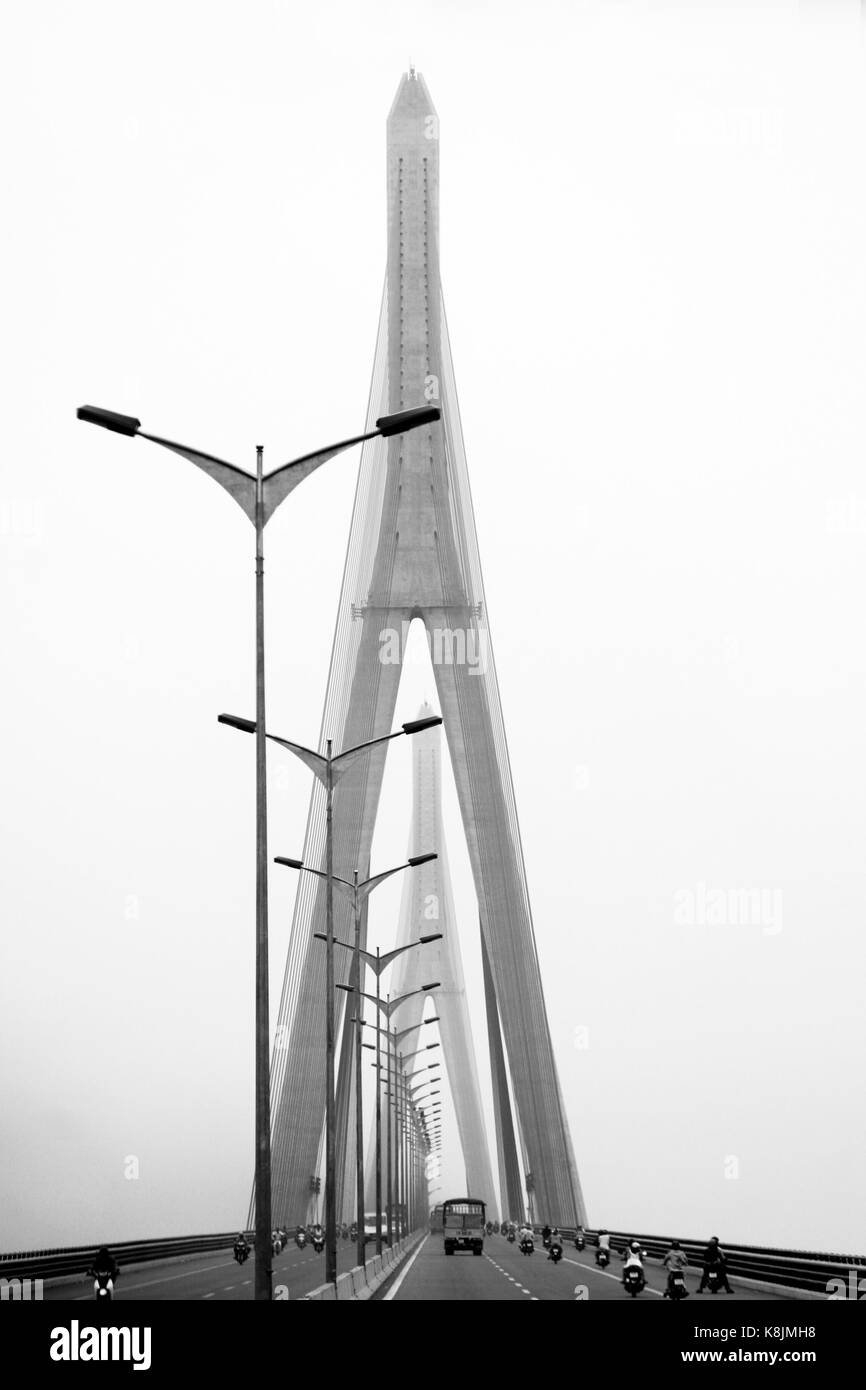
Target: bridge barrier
<point>362,1282</point>
<point>70,1260</point>
<point>323,1294</point>
<point>806,1271</point>
<point>76,1260</point>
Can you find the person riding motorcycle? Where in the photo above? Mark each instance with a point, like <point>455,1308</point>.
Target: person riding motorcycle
<point>632,1258</point>
<point>603,1244</point>
<point>526,1233</point>
<point>555,1239</point>
<point>241,1243</point>
<point>104,1263</point>
<point>675,1259</point>
<point>714,1258</point>
<point>545,1235</point>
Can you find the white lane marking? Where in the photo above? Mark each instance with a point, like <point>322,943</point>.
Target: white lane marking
<point>577,1264</point>
<point>391,1292</point>
<point>508,1276</point>
<point>166,1279</point>
<point>207,1295</point>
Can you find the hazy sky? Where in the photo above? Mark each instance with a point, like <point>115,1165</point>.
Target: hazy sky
<point>653,231</point>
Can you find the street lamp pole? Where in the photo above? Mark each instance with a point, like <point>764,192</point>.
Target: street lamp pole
<point>387,1007</point>
<point>358,892</point>
<point>329,767</point>
<point>378,1104</point>
<point>259,496</point>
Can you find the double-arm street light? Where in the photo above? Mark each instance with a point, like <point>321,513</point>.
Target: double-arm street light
<point>258,495</point>
<point>405,1110</point>
<point>358,893</point>
<point>329,768</point>
<point>388,1007</point>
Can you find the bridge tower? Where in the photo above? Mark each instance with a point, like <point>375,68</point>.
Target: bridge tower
<point>413,554</point>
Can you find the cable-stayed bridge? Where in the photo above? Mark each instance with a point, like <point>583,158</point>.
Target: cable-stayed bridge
<point>413,554</point>
<point>413,557</point>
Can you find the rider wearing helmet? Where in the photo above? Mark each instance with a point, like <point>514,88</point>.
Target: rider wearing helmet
<point>104,1263</point>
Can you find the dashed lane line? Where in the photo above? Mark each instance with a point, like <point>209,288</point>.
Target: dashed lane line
<point>511,1278</point>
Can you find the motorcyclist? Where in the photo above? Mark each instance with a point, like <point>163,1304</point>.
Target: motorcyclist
<point>603,1244</point>
<point>545,1235</point>
<point>675,1259</point>
<point>241,1243</point>
<point>714,1258</point>
<point>632,1257</point>
<point>555,1239</point>
<point>104,1263</point>
<point>526,1233</point>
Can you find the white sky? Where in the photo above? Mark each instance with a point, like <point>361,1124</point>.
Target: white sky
<point>653,222</point>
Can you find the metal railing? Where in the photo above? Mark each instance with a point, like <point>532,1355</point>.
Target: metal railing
<point>794,1269</point>
<point>77,1259</point>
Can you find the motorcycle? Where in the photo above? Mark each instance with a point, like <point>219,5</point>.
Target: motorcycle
<point>602,1258</point>
<point>714,1278</point>
<point>676,1285</point>
<point>301,1239</point>
<point>527,1246</point>
<point>633,1280</point>
<point>318,1244</point>
<point>555,1252</point>
<point>103,1285</point>
<point>579,1243</point>
<point>241,1253</point>
<point>276,1245</point>
<point>546,1242</point>
<point>510,1237</point>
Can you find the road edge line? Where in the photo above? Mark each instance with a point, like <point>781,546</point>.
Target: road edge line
<point>405,1270</point>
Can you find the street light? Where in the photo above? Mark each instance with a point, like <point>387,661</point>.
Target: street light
<point>258,496</point>
<point>329,768</point>
<point>388,1007</point>
<point>358,893</point>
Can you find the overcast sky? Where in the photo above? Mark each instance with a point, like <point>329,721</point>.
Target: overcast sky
<point>652,239</point>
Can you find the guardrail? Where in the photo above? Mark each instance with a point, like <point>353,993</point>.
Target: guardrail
<point>793,1269</point>
<point>77,1259</point>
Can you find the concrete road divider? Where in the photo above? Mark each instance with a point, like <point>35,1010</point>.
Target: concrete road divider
<point>362,1282</point>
